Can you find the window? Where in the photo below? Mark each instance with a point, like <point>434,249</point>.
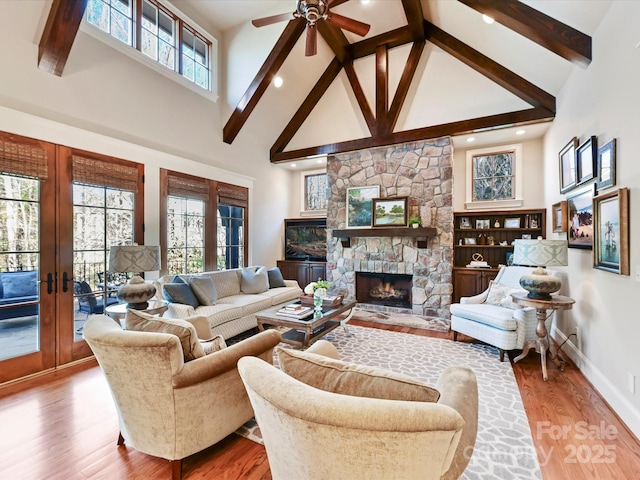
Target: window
<point>205,224</point>
<point>494,177</point>
<point>314,192</point>
<point>160,34</point>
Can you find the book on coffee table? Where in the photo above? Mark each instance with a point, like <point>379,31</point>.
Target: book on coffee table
<point>295,311</point>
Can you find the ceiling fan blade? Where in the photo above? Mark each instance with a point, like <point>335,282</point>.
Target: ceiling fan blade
<point>311,46</point>
<point>349,24</point>
<point>261,22</point>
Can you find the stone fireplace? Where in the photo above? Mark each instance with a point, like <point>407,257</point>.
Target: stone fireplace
<point>421,171</point>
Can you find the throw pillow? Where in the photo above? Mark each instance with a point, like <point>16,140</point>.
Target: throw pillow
<point>143,322</point>
<point>275,278</point>
<point>501,295</point>
<point>204,289</point>
<point>20,284</point>
<point>179,293</point>
<point>347,378</point>
<point>214,344</point>
<point>254,280</point>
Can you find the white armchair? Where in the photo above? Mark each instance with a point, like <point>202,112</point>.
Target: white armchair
<point>492,318</point>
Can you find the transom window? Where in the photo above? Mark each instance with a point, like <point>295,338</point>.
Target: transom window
<point>157,32</point>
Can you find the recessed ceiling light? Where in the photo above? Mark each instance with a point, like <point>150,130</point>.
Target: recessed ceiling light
<point>520,132</point>
<point>365,2</point>
<point>293,165</point>
<point>471,139</point>
<point>277,82</point>
<point>487,19</point>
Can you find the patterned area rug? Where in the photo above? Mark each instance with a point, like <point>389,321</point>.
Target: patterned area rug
<point>504,447</point>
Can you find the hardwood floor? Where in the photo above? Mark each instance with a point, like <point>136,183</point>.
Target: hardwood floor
<point>64,426</point>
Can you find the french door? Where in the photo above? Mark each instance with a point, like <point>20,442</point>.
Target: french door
<point>57,222</point>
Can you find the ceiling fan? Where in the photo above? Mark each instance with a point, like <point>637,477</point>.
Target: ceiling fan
<point>313,11</point>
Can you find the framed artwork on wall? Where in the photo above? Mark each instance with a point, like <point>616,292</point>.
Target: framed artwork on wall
<point>512,222</point>
<point>607,165</point>
<point>586,160</point>
<point>611,218</point>
<point>567,157</point>
<point>390,212</point>
<point>359,202</point>
<point>559,217</point>
<point>580,218</point>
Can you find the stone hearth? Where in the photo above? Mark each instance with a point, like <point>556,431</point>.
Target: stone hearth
<point>421,171</point>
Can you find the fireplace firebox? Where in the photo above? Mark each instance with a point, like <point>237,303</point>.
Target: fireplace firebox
<point>388,289</point>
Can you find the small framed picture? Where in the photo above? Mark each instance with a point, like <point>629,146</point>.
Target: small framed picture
<point>559,217</point>
<point>526,236</point>
<point>533,222</point>
<point>586,160</point>
<point>607,165</point>
<point>469,241</point>
<point>512,222</point>
<point>482,223</point>
<point>359,201</point>
<point>567,157</point>
<point>611,218</point>
<point>390,212</point>
<point>580,218</point>
<point>465,222</point>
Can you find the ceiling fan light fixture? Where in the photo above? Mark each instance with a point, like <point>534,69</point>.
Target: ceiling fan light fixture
<point>487,19</point>
<point>277,82</point>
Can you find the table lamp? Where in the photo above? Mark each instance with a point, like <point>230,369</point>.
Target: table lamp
<point>540,253</point>
<point>136,259</point>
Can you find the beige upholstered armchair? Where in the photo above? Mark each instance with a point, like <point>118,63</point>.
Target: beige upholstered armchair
<point>166,407</point>
<point>341,421</point>
<point>493,318</point>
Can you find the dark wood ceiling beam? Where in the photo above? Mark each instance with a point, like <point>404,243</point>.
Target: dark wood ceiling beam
<point>394,38</point>
<point>503,120</point>
<point>272,64</point>
<point>546,31</point>
<point>404,84</point>
<point>365,108</point>
<point>382,89</point>
<point>307,106</point>
<point>508,80</point>
<point>59,34</point>
<point>415,16</point>
<point>336,40</point>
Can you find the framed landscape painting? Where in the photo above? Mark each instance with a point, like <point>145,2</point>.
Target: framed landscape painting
<point>567,157</point>
<point>611,218</point>
<point>580,218</point>
<point>390,212</point>
<point>359,201</point>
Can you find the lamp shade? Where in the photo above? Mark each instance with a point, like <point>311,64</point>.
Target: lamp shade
<point>540,253</point>
<point>134,258</point>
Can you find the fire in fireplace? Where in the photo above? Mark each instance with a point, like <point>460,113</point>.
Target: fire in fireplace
<point>388,289</point>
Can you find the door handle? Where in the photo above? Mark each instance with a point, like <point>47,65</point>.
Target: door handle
<point>49,283</point>
<point>65,282</point>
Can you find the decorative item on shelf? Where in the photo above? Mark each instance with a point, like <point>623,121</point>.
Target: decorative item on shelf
<point>478,261</point>
<point>319,291</point>
<point>482,239</point>
<point>496,224</point>
<point>491,241</point>
<point>135,259</point>
<point>540,253</point>
<point>414,222</point>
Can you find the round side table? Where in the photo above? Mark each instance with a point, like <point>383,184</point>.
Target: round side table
<point>542,344</point>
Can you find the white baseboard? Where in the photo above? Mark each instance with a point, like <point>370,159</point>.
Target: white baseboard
<point>613,396</point>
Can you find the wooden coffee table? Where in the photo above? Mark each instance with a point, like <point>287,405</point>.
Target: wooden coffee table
<point>303,332</point>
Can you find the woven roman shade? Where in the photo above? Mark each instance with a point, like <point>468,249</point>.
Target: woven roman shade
<point>92,171</point>
<point>233,196</point>
<point>23,159</point>
<point>190,187</point>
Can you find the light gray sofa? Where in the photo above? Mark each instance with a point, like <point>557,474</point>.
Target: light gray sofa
<point>234,311</point>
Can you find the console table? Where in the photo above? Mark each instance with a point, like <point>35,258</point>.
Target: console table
<point>542,344</point>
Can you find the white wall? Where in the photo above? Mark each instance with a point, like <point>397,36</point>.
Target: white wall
<point>108,103</point>
<point>604,100</point>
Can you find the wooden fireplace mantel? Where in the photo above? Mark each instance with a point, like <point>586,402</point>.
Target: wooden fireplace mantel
<point>421,233</point>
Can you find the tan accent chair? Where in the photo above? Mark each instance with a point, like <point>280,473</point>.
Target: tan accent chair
<point>166,407</point>
<point>314,434</point>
